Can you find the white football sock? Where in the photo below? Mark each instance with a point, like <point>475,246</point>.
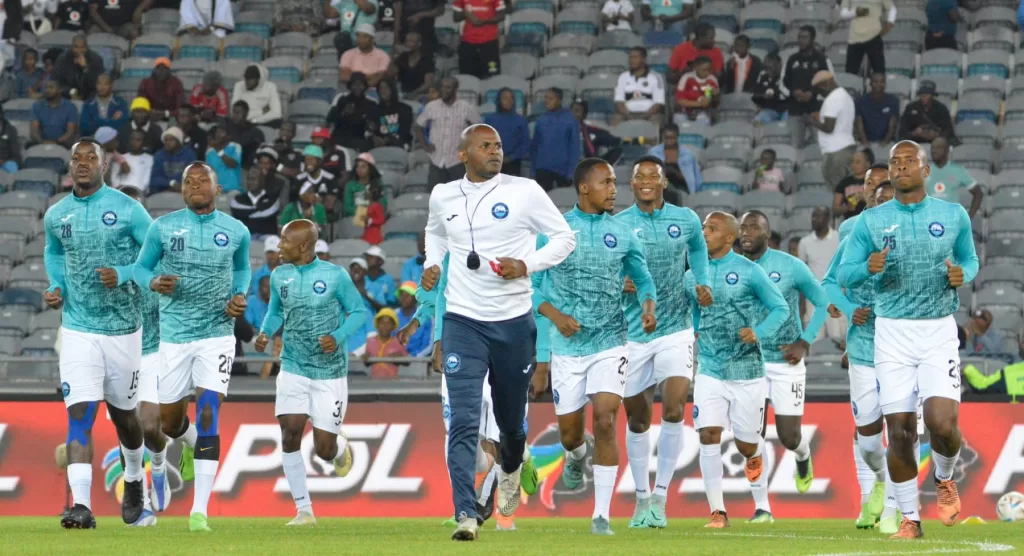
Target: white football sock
<point>803,450</point>
<point>865,476</point>
<point>670,445</point>
<point>759,490</point>
<point>577,453</point>
<point>191,435</point>
<point>295,472</point>
<point>604,484</point>
<point>711,470</point>
<point>133,470</point>
<point>944,465</point>
<point>907,498</point>
<point>80,480</point>
<point>206,472</point>
<point>871,450</point>
<point>891,507</point>
<point>484,461</point>
<point>158,461</point>
<point>638,450</point>
<point>760,448</point>
<point>917,455</point>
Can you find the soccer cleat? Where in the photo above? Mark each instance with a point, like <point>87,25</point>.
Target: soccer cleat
<point>600,526</point>
<point>161,493</point>
<point>803,482</point>
<point>450,522</point>
<point>866,520</point>
<point>508,492</point>
<point>719,520</point>
<point>753,468</point>
<point>949,501</point>
<point>528,477</point>
<point>302,518</point>
<point>762,516</point>
<point>133,501</point>
<point>876,504</point>
<point>197,523</point>
<point>187,463</point>
<point>147,519</point>
<point>656,513</point>
<point>78,517</point>
<point>504,523</point>
<point>468,530</point>
<point>572,473</point>
<point>485,509</point>
<point>639,520</point>
<point>343,461</point>
<point>909,530</point>
<point>889,525</point>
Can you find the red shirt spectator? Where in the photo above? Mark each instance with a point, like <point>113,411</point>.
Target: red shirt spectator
<point>703,44</point>
<point>164,91</point>
<point>375,218</point>
<point>210,98</point>
<point>696,85</point>
<point>482,10</point>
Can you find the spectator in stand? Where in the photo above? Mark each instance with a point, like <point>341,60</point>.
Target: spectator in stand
<point>241,130</point>
<point>256,208</point>
<point>848,196</point>
<point>276,185</point>
<point>617,15</point>
<point>77,69</point>
<point>140,121</point>
<point>866,32</point>
<point>195,136</point>
<point>555,148</point>
<point>412,268</point>
<point>640,92</point>
<point>394,118</point>
<point>257,303</point>
<point>289,159</point>
<point>800,69</point>
<point>352,116</point>
<point>28,82</point>
<point>350,13</point>
<point>380,286</point>
<point>703,44</point>
<point>878,114</point>
<point>120,17</point>
<point>698,94</point>
<point>210,98</point>
<point>137,164</point>
<point>926,118</point>
<point>767,92</point>
<point>107,139</point>
<point>322,250</point>
<point>272,254</point>
<point>357,199</point>
<point>165,92</point>
<point>260,94</point>
<point>35,17</point>
<point>514,130</point>
<point>307,207</point>
<point>365,58</point>
<point>225,157</point>
<point>300,16</point>
<point>775,241</point>
<point>376,215</point>
<point>947,178</point>
<point>169,163</point>
<point>199,17</point>
<point>596,141</point>
<point>421,342</point>
<point>767,177</point>
<point>73,15</point>
<point>419,16</point>
<point>793,247</point>
<point>323,183</point>
<point>817,250</point>
<point>54,119</point>
<point>741,69</point>
<point>667,15</point>
<point>10,145</point>
<point>105,109</point>
<point>447,117</point>
<point>681,166</point>
<point>413,68</point>
<point>479,51</point>
<point>384,344</point>
<point>336,159</point>
<point>357,271</point>
<point>982,339</point>
<point>835,128</point>
<point>943,17</point>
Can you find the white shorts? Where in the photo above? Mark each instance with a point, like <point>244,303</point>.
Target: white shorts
<point>658,360</point>
<point>786,387</point>
<point>149,378</point>
<point>739,403</point>
<point>864,388</point>
<point>94,367</point>
<point>575,378</point>
<point>324,401</point>
<point>916,359</point>
<point>201,364</point>
<point>488,424</point>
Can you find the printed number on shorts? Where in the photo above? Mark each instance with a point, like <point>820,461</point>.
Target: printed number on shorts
<point>954,373</point>
<point>798,393</point>
<point>177,244</point>
<point>890,242</point>
<point>65,231</point>
<point>337,413</point>
<point>225,367</point>
<point>622,369</point>
<point>761,421</point>
<point>135,383</point>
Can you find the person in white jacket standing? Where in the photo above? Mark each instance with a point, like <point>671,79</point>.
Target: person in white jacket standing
<point>260,93</point>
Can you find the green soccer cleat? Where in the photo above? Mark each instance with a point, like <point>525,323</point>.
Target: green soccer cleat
<point>876,504</point>
<point>450,522</point>
<point>889,525</point>
<point>187,463</point>
<point>656,512</point>
<point>866,520</point>
<point>600,526</point>
<point>197,523</point>
<point>639,520</point>
<point>528,479</point>
<point>762,516</point>
<point>803,484</point>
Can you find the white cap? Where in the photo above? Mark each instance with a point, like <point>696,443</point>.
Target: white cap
<point>376,251</point>
<point>361,262</point>
<point>271,244</point>
<point>366,29</point>
<point>321,247</point>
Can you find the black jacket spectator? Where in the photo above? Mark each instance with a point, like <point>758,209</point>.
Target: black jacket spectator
<point>258,210</point>
<point>797,75</point>
<point>394,119</point>
<point>73,76</point>
<point>728,80</point>
<point>248,136</point>
<point>926,118</point>
<point>767,93</point>
<point>351,117</point>
<point>15,20</point>
<point>154,142</point>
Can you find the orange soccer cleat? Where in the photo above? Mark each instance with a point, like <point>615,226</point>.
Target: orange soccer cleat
<point>718,520</point>
<point>949,502</point>
<point>909,530</point>
<point>754,468</point>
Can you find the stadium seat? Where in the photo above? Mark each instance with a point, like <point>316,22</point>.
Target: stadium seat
<point>309,112</point>
<point>991,37</point>
<point>153,45</point>
<point>298,45</point>
<point>721,15</point>
<point>599,85</point>
<point>993,15</point>
<point>520,88</point>
<point>10,345</point>
<point>988,62</point>
<point>137,67</point>
<point>731,133</point>
<point>30,276</point>
<point>316,88</point>
<point>10,252</point>
<point>572,42</point>
<point>59,38</point>
<point>404,227</point>
<point>764,16</point>
<point>20,299</point>
<point>977,132</point>
<point>40,344</point>
<point>393,159</point>
<point>46,320</point>
<point>901,62</point>
<point>581,20</point>
<point>563,197</point>
<point>974,157</point>
<point>1006,224</point>
<point>771,203</point>
<point>733,156</point>
<point>40,181</point>
<point>285,68</point>
<point>161,20</point>
<point>810,200</point>
<point>737,106</point>
<point>941,61</point>
<point>817,15</point>
<point>400,249</point>
<point>20,203</point>
<point>618,40</point>
<point>34,250</point>
<point>14,324</point>
<point>722,178</point>
<point>163,203</point>
<point>531,22</point>
<point>635,129</point>
<point>255,22</point>
<point>1004,251</point>
<point>49,157</point>
<point>19,110</point>
<point>519,65</point>
<point>1000,276</point>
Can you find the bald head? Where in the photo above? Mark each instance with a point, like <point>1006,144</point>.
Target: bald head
<point>720,231</point>
<point>480,150</point>
<point>908,169</point>
<point>726,220</point>
<point>473,132</point>
<point>298,242</point>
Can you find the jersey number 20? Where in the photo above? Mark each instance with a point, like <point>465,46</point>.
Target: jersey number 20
<point>177,244</point>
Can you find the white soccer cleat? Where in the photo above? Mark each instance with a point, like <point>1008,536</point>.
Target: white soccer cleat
<point>508,492</point>
<point>302,519</point>
<point>343,461</point>
<point>468,529</point>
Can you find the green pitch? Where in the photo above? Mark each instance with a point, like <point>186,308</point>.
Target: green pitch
<point>549,537</point>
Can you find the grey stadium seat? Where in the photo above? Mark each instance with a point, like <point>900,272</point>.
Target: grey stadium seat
<point>14,323</point>
<point>563,197</point>
<point>400,249</point>
<point>411,204</point>
<point>164,202</point>
<point>1011,200</point>
<point>46,320</point>
<point>348,248</point>
<point>737,106</point>
<point>977,132</point>
<point>392,159</point>
<point>994,298</point>
<point>562,63</point>
<point>772,203</point>
<point>15,228</point>
<point>733,156</point>
<point>732,132</point>
<point>40,344</point>
<point>403,226</point>
<point>30,276</point>
<point>33,252</point>
<point>10,345</point>
<point>1004,251</point>
<point>1006,224</point>
<point>713,200</point>
<point>811,200</point>
<point>20,203</point>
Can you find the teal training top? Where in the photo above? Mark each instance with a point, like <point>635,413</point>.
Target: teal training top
<point>792,277</point>
<point>150,321</point>
<point>104,230</point>
<point>847,226</point>
<point>669,236</point>
<point>860,340</point>
<point>210,255</point>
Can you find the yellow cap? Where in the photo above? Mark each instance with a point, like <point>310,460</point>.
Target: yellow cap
<point>386,312</point>
<point>141,103</point>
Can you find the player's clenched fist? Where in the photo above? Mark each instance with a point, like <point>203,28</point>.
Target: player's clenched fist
<point>429,278</point>
<point>834,311</point>
<point>328,344</point>
<point>628,286</point>
<point>649,322</point>
<point>861,315</point>
<point>704,297</point>
<point>261,342</point>
<point>236,306</point>
<point>511,269</point>
<point>407,331</point>
<point>566,325</point>
<point>163,284</point>
<point>748,336</point>
<point>53,299</point>
<point>108,276</point>
<point>876,262</point>
<point>955,274</point>
<point>435,358</point>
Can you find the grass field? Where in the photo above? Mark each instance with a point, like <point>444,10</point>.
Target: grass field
<point>553,536</point>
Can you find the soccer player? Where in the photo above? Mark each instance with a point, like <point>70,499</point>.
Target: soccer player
<point>856,304</point>
<point>203,256</point>
<point>784,351</point>
<point>318,307</point>
<point>669,235</point>
<point>875,175</point>
<point>582,298</point>
<point>922,250</point>
<point>730,387</point>
<point>92,239</point>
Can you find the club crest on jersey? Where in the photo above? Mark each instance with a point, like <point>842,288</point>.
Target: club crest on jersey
<point>220,239</point>
<point>854,408</point>
<point>610,241</point>
<point>319,287</point>
<point>452,363</point>
<point>110,218</point>
<point>499,211</point>
<point>65,389</point>
<point>696,411</point>
<point>936,229</point>
<point>775,276</point>
<point>732,278</point>
<point>446,413</point>
<point>673,231</point>
<point>554,394</point>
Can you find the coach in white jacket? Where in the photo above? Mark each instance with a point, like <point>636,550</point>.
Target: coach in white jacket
<point>489,222</point>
